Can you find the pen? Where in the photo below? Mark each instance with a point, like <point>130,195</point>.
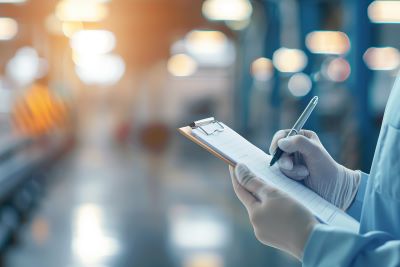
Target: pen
<point>297,127</point>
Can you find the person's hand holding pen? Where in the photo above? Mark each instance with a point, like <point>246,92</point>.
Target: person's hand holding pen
<point>306,159</point>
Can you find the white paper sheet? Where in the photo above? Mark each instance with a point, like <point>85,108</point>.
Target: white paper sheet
<point>234,147</point>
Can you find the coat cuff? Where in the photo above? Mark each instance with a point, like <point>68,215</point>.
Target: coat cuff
<point>355,208</point>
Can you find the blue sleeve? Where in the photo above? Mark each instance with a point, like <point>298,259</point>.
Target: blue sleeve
<point>328,246</point>
<point>355,208</point>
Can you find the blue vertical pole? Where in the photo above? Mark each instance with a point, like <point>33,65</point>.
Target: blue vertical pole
<point>309,21</point>
<point>271,44</point>
<point>359,27</point>
<point>241,91</point>
<point>245,94</point>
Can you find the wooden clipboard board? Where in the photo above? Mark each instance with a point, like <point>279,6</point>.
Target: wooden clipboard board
<point>187,132</point>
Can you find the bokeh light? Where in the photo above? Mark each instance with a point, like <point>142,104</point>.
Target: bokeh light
<point>203,259</point>
<point>299,84</point>
<point>289,60</point>
<point>69,28</point>
<point>26,66</point>
<point>205,42</point>
<point>8,29</point>
<point>262,69</point>
<point>328,42</point>
<point>93,42</point>
<point>210,48</point>
<point>336,69</point>
<point>384,12</point>
<point>77,10</point>
<point>382,58</point>
<point>104,70</point>
<point>181,65</point>
<point>235,10</point>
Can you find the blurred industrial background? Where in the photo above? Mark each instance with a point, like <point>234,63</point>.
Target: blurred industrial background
<point>93,171</point>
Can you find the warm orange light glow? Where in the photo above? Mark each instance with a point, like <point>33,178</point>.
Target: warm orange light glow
<point>53,25</point>
<point>262,69</point>
<point>181,65</point>
<point>384,11</point>
<point>382,58</point>
<point>69,28</point>
<point>78,10</point>
<point>8,28</point>
<point>38,111</point>
<point>328,42</point>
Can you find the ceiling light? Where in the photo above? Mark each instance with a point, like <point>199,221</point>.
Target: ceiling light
<point>382,58</point>
<point>105,70</point>
<point>289,60</point>
<point>384,12</point>
<point>328,42</point>
<point>210,48</point>
<point>262,69</point>
<point>235,10</point>
<point>181,65</point>
<point>93,42</point>
<point>8,29</point>
<point>77,10</point>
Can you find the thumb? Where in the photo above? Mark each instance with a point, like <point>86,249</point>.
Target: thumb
<point>298,143</point>
<point>249,181</point>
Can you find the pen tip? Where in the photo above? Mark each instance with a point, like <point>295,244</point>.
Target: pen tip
<point>315,100</point>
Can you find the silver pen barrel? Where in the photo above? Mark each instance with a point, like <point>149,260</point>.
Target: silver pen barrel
<point>304,116</point>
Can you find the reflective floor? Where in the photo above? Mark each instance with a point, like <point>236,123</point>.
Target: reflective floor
<point>112,205</point>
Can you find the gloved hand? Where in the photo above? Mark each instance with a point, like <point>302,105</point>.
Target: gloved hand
<point>278,220</point>
<point>305,158</point>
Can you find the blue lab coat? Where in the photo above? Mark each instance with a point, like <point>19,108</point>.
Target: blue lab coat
<point>376,206</point>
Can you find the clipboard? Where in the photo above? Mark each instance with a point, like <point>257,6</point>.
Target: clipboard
<point>187,132</point>
<point>227,145</point>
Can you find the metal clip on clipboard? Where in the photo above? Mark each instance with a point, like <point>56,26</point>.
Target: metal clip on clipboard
<point>199,125</point>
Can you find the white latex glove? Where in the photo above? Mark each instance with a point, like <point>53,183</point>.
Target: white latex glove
<point>278,220</point>
<point>305,158</point>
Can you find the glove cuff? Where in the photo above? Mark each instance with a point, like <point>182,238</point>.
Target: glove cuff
<point>346,188</point>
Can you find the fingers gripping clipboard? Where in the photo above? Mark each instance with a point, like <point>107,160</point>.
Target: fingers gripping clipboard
<point>232,148</point>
